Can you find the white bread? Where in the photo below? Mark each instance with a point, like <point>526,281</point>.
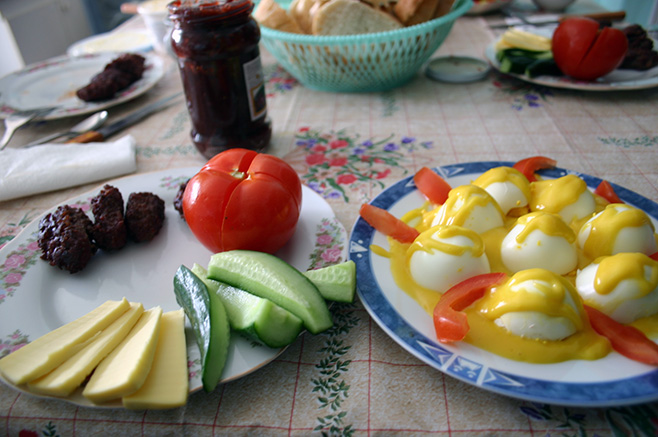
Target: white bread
<point>268,13</point>
<point>302,12</point>
<point>443,8</point>
<point>411,12</point>
<point>351,17</point>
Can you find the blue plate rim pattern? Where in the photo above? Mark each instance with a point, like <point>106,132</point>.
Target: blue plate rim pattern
<point>638,389</point>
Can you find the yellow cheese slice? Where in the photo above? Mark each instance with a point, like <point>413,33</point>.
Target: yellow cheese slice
<point>124,370</point>
<point>71,373</point>
<point>166,385</point>
<point>42,355</point>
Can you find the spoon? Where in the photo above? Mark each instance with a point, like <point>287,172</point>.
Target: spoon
<point>92,122</point>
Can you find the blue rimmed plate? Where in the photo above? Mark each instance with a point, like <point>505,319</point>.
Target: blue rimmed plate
<point>611,381</point>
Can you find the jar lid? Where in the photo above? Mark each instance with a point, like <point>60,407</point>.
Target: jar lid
<point>457,69</point>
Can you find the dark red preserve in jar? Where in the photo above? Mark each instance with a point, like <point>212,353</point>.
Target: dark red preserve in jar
<point>216,43</point>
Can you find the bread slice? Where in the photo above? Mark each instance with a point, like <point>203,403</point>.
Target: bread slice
<point>268,13</point>
<point>443,8</point>
<point>351,17</point>
<point>300,11</point>
<point>411,12</point>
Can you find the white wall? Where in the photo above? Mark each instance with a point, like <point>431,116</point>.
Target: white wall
<point>9,52</point>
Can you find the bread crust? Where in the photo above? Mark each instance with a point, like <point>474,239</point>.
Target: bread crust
<point>351,17</point>
<point>270,14</point>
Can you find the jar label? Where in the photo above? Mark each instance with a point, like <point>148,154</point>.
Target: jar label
<point>253,78</point>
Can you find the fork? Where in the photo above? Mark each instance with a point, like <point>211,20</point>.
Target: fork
<point>21,118</point>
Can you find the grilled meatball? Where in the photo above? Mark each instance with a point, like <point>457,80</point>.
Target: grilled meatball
<point>117,75</point>
<point>109,230</point>
<point>145,214</point>
<point>65,239</point>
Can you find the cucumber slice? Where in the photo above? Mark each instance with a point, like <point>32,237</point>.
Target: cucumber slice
<point>337,282</point>
<point>256,318</point>
<point>208,317</point>
<point>271,278</point>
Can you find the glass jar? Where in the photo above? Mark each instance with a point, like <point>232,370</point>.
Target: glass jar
<point>216,44</point>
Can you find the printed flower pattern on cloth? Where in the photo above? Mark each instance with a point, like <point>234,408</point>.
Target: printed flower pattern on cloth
<point>278,80</point>
<point>336,164</point>
<point>523,94</point>
<point>15,267</point>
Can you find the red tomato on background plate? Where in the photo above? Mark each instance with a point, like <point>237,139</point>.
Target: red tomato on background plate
<point>242,199</point>
<point>583,51</point>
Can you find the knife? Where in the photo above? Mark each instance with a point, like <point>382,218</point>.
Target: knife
<point>538,20</point>
<point>104,132</point>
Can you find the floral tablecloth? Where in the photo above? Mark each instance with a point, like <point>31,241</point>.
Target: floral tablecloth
<point>354,379</point>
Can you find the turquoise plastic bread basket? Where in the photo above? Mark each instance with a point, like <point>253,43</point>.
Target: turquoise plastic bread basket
<point>360,63</point>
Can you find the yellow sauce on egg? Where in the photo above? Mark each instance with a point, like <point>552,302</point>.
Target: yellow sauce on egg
<point>462,201</point>
<point>547,223</point>
<point>553,195</point>
<point>549,299</point>
<point>504,174</point>
<point>605,228</point>
<point>614,269</point>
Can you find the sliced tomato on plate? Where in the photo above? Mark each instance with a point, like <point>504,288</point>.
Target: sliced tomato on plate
<point>605,190</point>
<point>450,323</point>
<point>387,223</point>
<point>433,186</point>
<point>627,340</point>
<point>529,166</point>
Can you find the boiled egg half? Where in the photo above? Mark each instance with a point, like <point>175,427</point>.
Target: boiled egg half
<point>623,286</point>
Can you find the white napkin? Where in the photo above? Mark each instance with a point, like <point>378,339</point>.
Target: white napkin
<point>51,167</point>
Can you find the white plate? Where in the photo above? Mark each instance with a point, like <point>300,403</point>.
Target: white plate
<point>613,380</point>
<point>632,80</point>
<point>126,41</point>
<point>54,82</point>
<point>36,298</point>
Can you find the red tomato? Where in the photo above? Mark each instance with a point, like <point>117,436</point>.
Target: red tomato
<point>450,323</point>
<point>605,190</point>
<point>387,223</point>
<point>582,51</point>
<point>529,166</point>
<point>433,186</point>
<point>242,199</point>
<point>627,340</point>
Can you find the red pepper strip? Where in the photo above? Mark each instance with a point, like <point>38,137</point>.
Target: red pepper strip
<point>654,256</point>
<point>606,191</point>
<point>627,340</point>
<point>529,166</point>
<point>387,223</point>
<point>450,323</point>
<point>433,186</point>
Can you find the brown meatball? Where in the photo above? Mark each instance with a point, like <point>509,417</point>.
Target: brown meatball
<point>65,239</point>
<point>109,230</point>
<point>117,75</point>
<point>145,214</point>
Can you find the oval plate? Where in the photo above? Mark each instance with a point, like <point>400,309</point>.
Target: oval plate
<point>613,380</point>
<point>55,81</point>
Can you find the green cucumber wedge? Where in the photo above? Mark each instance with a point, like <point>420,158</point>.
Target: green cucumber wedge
<point>271,278</point>
<point>256,318</point>
<point>336,282</point>
<point>208,317</point>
